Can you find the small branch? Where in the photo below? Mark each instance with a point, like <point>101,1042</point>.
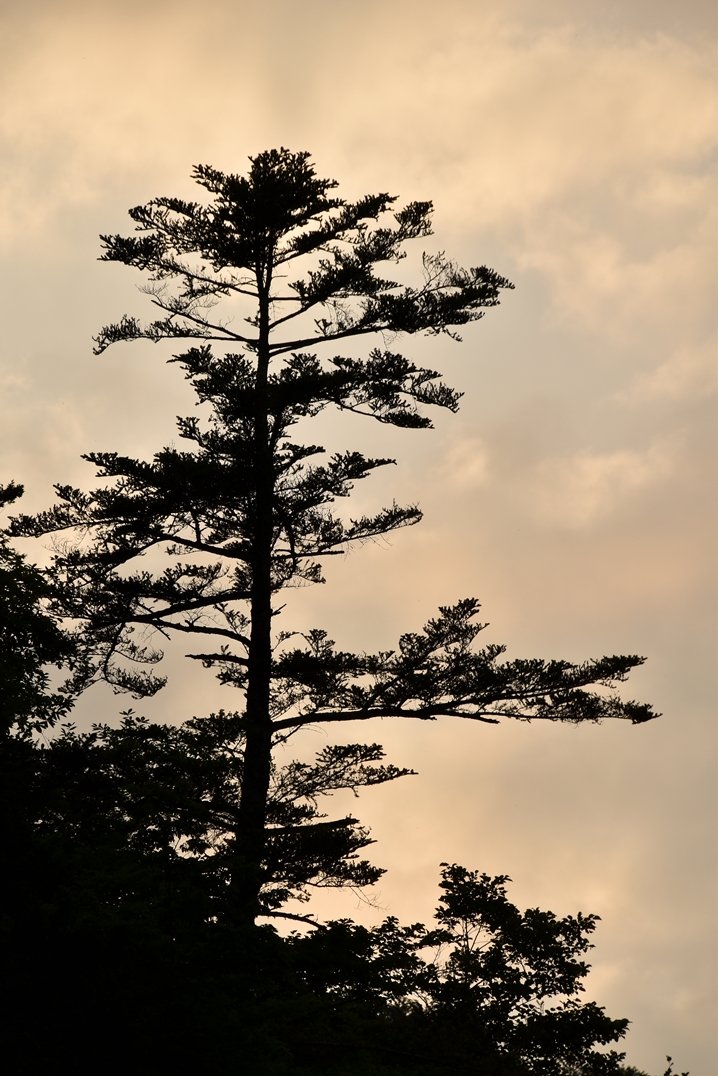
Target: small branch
<point>195,604</point>
<point>228,334</point>
<point>220,285</point>
<point>216,551</point>
<point>295,313</point>
<point>158,622</point>
<point>290,915</point>
<point>297,345</point>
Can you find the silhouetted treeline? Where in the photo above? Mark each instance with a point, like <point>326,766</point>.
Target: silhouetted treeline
<point>123,949</point>
<point>123,946</point>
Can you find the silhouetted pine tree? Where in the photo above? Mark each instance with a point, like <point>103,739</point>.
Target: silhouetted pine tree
<point>245,511</point>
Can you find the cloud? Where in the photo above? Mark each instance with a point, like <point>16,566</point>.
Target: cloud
<point>579,491</point>
<point>466,464</point>
<point>573,492</point>
<point>687,373</point>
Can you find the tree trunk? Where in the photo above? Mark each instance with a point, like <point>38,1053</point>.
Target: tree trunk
<point>248,876</point>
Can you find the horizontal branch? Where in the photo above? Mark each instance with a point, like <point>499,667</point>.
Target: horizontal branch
<point>292,915</point>
<point>428,713</point>
<point>194,629</point>
<point>232,658</point>
<point>214,600</point>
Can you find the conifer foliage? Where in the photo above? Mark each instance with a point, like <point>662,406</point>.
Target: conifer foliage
<point>247,509</point>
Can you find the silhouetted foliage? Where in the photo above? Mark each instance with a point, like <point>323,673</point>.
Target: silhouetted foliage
<point>123,950</point>
<point>30,641</point>
<point>120,911</point>
<point>168,797</point>
<point>499,993</point>
<point>244,512</point>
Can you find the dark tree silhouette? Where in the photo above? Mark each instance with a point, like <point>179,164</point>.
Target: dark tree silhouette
<point>499,992</point>
<point>245,511</point>
<point>168,796</point>
<point>117,913</point>
<point>30,641</point>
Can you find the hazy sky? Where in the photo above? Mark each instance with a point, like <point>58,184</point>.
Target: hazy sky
<point>568,145</point>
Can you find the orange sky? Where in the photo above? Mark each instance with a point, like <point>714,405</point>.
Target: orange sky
<point>568,145</point>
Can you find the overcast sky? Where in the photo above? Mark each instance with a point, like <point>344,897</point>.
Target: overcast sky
<point>570,146</point>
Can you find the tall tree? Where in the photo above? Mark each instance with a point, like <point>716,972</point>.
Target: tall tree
<point>245,511</point>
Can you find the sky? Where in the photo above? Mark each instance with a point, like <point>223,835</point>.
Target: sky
<point>570,146</point>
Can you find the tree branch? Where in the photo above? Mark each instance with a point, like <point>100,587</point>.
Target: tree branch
<point>291,915</point>
<point>428,713</point>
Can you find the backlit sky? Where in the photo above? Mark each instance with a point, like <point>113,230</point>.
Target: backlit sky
<point>569,145</point>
